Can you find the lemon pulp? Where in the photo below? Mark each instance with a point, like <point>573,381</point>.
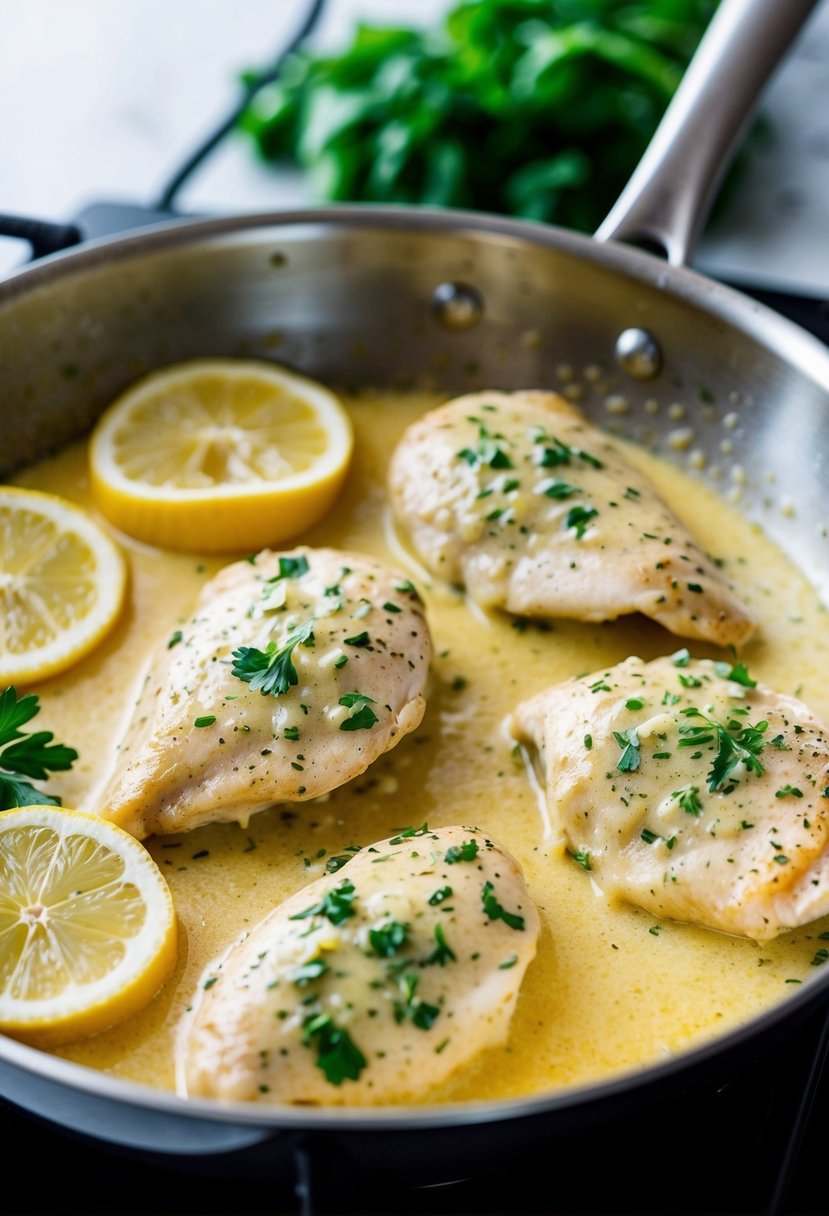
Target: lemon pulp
<point>62,584</point>
<point>87,927</point>
<point>217,455</point>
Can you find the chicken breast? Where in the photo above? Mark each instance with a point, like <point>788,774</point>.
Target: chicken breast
<point>684,788</point>
<point>372,985</point>
<point>296,671</point>
<point>518,498</point>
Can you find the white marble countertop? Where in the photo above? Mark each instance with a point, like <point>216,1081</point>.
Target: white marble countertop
<point>103,99</point>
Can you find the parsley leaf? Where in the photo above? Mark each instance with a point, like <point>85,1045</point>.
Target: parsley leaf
<point>25,755</point>
<point>335,905</point>
<point>738,674</point>
<point>582,858</point>
<point>736,744</point>
<point>628,740</point>
<point>293,567</point>
<point>271,671</point>
<point>689,800</point>
<point>443,952</point>
<point>338,1055</point>
<point>388,939</point>
<point>364,716</point>
<point>467,851</point>
<point>579,518</point>
<point>495,911</point>
<point>419,1011</point>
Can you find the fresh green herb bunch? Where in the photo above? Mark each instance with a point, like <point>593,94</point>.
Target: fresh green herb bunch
<point>538,108</point>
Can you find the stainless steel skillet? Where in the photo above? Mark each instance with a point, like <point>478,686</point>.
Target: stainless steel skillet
<point>402,296</point>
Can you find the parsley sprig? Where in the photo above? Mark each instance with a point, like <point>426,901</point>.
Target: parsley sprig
<point>736,743</point>
<point>271,671</point>
<point>27,755</point>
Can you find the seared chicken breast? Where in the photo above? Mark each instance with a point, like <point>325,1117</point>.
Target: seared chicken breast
<point>688,789</point>
<point>295,672</point>
<point>532,509</point>
<point>372,985</point>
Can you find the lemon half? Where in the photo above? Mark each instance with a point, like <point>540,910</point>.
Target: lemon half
<point>87,926</point>
<point>216,455</point>
<point>62,584</point>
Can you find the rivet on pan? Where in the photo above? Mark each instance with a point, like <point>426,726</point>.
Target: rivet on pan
<point>457,306</point>
<point>638,353</point>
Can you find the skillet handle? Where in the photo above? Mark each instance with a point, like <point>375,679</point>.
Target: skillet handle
<point>43,236</point>
<point>667,199</point>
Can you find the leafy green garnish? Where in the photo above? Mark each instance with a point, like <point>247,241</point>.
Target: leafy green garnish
<point>364,717</point>
<point>736,744</point>
<point>421,1014</point>
<point>438,896</point>
<point>517,106</point>
<point>33,755</point>
<point>738,674</point>
<point>582,858</point>
<point>495,911</point>
<point>688,799</point>
<point>314,969</point>
<point>271,671</point>
<point>578,518</point>
<point>293,567</point>
<point>388,939</point>
<point>442,953</point>
<point>338,1055</point>
<point>467,851</point>
<point>335,905</point>
<point>628,740</point>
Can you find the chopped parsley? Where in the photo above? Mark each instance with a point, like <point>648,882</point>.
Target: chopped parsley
<point>359,639</point>
<point>314,969</point>
<point>582,858</point>
<point>689,800</point>
<point>738,674</point>
<point>628,740</point>
<point>578,518</point>
<point>337,1054</point>
<point>559,490</point>
<point>421,1014</point>
<point>495,911</point>
<point>293,567</point>
<point>442,953</point>
<point>388,939</point>
<point>364,717</point>
<point>467,851</point>
<point>174,639</point>
<point>205,720</point>
<point>335,905</point>
<point>488,452</point>
<point>438,897</point>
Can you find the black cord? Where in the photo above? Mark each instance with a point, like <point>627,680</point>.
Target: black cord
<point>168,195</point>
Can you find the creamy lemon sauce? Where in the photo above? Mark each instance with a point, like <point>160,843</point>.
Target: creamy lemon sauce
<point>611,988</point>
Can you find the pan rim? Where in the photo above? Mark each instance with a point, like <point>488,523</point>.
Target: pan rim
<point>756,320</point>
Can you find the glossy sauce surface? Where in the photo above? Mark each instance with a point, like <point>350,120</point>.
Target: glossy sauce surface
<point>611,989</point>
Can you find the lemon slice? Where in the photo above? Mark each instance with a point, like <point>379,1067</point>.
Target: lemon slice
<point>220,454</point>
<point>62,584</point>
<point>87,926</point>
